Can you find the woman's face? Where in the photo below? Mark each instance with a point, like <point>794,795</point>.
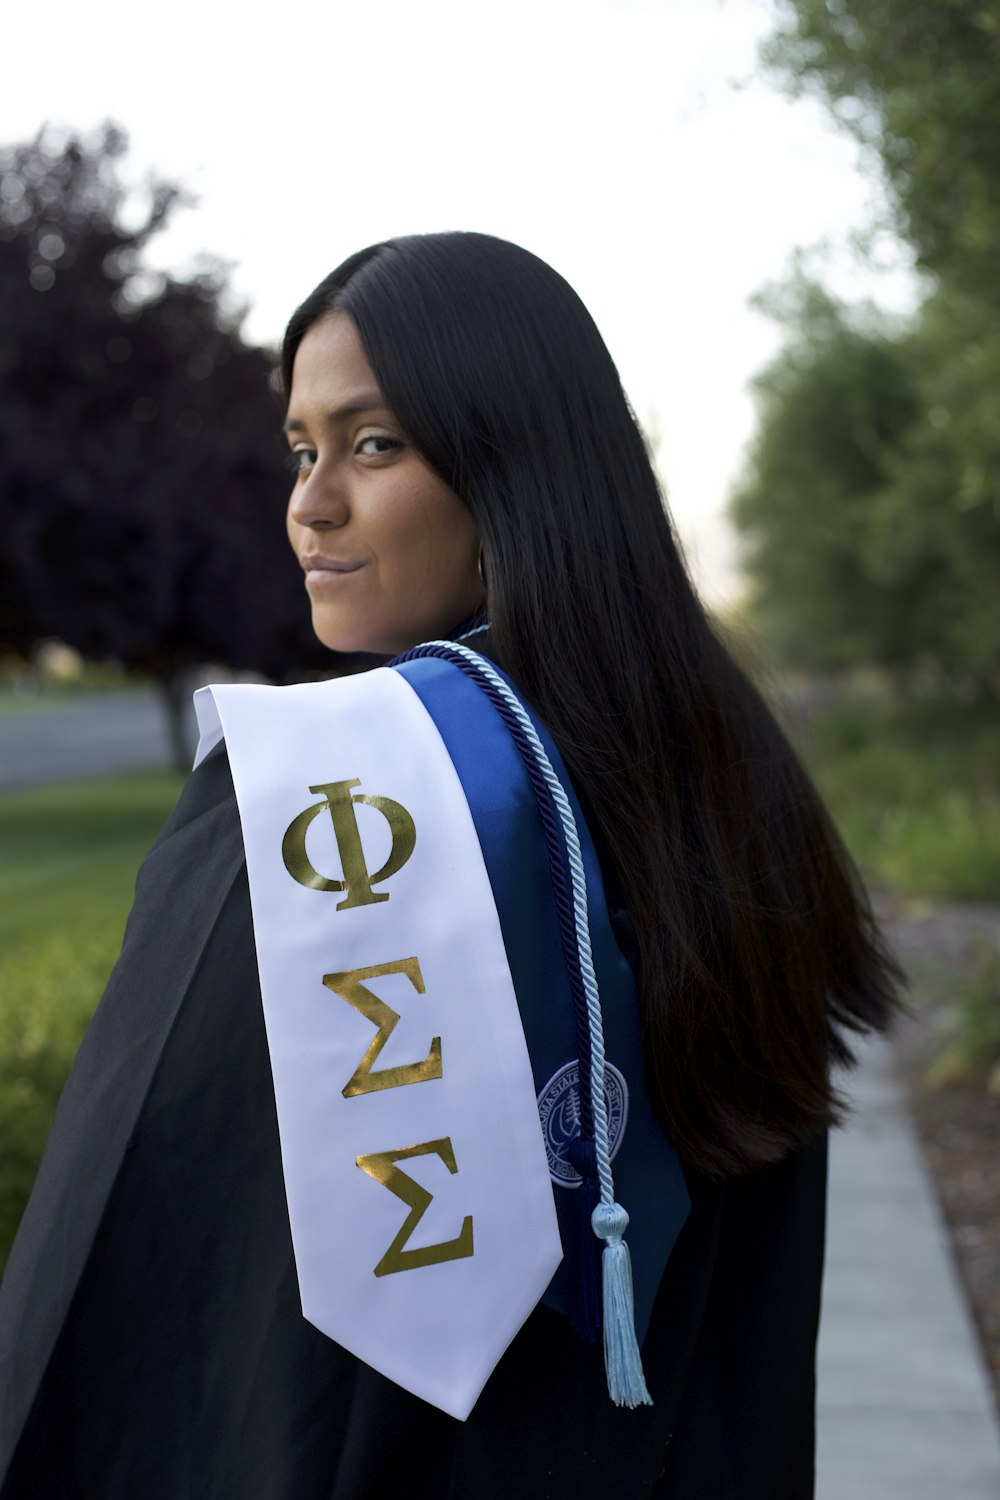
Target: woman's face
<point>390,552</point>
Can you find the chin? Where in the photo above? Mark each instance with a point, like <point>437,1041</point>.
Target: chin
<point>385,637</point>
<point>351,643</point>
<point>351,638</point>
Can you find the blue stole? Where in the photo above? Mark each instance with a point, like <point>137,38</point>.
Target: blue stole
<point>649,1181</point>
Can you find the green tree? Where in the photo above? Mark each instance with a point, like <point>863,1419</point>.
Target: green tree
<point>871,499</point>
<point>834,406</point>
<point>918,82</point>
<point>869,502</point>
<point>941,509</point>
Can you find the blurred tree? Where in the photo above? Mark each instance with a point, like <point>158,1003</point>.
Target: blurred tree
<point>871,538</point>
<point>833,406</point>
<point>918,82</point>
<point>941,510</point>
<point>142,480</point>
<point>871,499</point>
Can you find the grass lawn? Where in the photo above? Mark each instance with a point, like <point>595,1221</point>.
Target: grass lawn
<point>68,859</point>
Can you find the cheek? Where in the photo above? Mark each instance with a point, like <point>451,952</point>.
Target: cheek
<point>447,547</point>
<point>291,527</point>
<point>424,533</point>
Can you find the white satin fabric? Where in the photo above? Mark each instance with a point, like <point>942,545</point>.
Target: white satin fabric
<point>437,1329</point>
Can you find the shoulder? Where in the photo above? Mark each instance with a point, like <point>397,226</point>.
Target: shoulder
<point>207,793</point>
<point>200,843</point>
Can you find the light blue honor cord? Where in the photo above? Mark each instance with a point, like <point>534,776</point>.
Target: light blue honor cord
<point>622,1360</point>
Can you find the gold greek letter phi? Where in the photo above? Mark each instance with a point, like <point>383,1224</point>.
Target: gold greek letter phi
<point>357,882</point>
<point>349,987</point>
<point>379,1164</point>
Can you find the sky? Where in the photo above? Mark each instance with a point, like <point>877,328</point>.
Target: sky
<point>632,144</point>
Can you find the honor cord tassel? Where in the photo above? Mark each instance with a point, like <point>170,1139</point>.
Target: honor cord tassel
<point>622,1359</point>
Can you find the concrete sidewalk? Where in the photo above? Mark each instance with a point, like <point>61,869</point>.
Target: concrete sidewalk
<point>905,1407</point>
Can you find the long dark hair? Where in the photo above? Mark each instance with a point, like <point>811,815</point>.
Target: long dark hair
<point>757,944</point>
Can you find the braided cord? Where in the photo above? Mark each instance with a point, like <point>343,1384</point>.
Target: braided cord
<point>622,1357</point>
<point>545,780</point>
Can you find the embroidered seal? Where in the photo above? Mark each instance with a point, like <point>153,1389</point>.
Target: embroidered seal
<point>559,1113</point>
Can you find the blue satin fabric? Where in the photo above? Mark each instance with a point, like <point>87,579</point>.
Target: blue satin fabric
<point>649,1182</point>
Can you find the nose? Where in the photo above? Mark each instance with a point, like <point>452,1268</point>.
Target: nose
<point>319,502</point>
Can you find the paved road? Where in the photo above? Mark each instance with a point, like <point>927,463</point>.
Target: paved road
<point>905,1406</point>
<point>96,735</point>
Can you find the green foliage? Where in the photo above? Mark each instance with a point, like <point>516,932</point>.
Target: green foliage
<point>939,520</point>
<point>48,990</point>
<point>916,80</point>
<point>870,501</point>
<point>969,1031</point>
<point>914,789</point>
<point>833,407</point>
<point>68,856</point>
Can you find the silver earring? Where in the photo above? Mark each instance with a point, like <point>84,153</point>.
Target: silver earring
<point>482,567</point>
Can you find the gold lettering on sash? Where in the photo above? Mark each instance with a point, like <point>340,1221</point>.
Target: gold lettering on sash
<point>350,987</point>
<point>357,882</point>
<point>379,1164</point>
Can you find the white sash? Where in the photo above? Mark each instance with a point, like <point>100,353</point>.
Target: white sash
<point>418,1185</point>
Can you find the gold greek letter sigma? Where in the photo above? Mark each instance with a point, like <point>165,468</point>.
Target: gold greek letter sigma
<point>379,1164</point>
<point>350,987</point>
<point>357,882</point>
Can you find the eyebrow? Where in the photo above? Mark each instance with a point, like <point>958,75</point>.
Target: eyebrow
<point>369,401</point>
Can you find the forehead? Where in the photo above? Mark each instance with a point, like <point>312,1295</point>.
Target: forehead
<point>330,367</point>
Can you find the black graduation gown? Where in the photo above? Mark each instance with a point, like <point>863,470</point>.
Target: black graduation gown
<point>152,1345</point>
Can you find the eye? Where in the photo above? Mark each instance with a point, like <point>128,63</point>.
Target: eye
<point>294,460</point>
<point>377,437</point>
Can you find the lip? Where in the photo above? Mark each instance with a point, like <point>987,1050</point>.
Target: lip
<point>314,563</point>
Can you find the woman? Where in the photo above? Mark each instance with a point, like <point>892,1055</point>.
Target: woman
<point>466,466</point>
